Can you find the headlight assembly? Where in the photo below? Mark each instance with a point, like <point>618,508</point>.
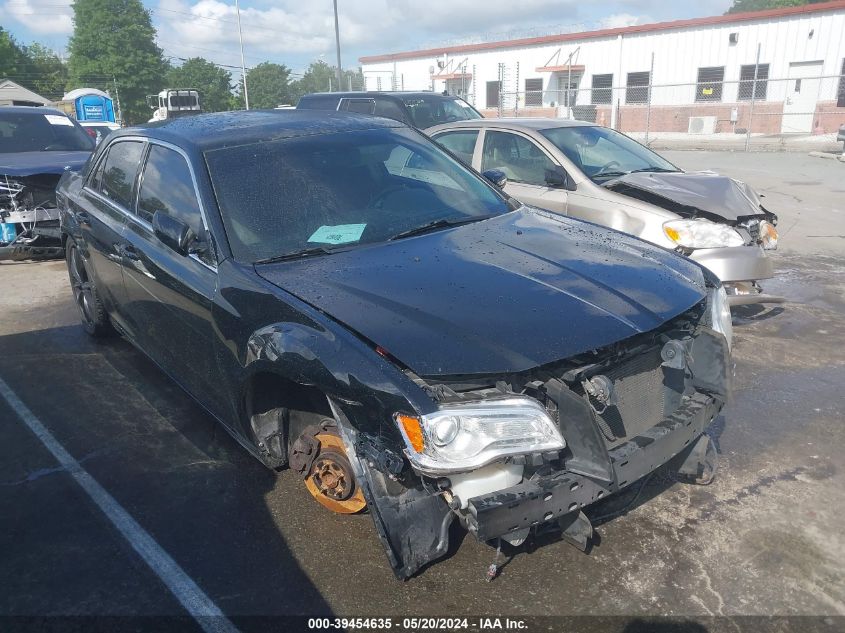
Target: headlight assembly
<point>464,437</point>
<point>701,234</point>
<point>768,235</point>
<point>720,313</point>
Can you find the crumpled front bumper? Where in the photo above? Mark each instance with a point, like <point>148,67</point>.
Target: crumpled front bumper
<point>543,499</point>
<point>737,263</point>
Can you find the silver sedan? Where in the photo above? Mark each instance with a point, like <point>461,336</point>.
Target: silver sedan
<point>597,174</point>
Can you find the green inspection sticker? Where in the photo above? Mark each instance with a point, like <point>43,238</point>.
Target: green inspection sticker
<point>340,234</point>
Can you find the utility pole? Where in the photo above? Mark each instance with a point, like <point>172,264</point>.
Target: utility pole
<point>117,101</point>
<point>337,43</point>
<point>243,65</point>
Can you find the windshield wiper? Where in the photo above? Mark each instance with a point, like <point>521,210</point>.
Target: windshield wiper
<point>610,174</point>
<point>305,252</point>
<point>654,169</point>
<point>439,224</point>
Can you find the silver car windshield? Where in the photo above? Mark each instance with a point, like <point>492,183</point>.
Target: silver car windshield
<point>602,153</point>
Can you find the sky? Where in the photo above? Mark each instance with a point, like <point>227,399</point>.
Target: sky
<point>298,32</point>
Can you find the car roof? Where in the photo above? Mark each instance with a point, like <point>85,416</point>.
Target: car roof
<point>30,110</point>
<point>204,132</point>
<point>518,123</point>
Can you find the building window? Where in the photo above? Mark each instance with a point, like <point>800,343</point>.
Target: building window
<point>602,89</point>
<point>636,90</point>
<point>840,101</point>
<point>493,89</point>
<point>746,82</point>
<point>709,86</point>
<point>534,92</point>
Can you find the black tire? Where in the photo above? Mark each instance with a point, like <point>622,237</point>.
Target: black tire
<point>93,315</point>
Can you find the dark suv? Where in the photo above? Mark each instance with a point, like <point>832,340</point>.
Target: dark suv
<point>422,110</point>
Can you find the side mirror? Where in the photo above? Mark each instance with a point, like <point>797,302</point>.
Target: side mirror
<point>496,176</point>
<point>559,179</point>
<point>173,233</point>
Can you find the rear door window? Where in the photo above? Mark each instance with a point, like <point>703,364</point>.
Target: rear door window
<point>461,143</point>
<point>390,109</point>
<point>119,171</point>
<point>362,106</point>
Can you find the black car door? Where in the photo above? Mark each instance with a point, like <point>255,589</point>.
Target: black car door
<point>169,295</point>
<point>101,211</point>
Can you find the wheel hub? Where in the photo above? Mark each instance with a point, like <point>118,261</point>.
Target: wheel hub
<point>331,480</point>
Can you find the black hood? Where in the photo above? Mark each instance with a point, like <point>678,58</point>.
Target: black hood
<point>503,295</point>
<point>696,194</point>
<point>31,163</point>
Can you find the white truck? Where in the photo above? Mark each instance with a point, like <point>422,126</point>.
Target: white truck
<point>169,104</point>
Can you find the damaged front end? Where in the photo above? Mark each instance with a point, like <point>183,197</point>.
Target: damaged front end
<point>508,454</point>
<point>722,225</point>
<point>29,217</point>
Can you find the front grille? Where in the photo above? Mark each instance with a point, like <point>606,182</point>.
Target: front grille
<point>641,398</point>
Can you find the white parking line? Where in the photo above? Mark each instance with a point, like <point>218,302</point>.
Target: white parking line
<point>207,614</point>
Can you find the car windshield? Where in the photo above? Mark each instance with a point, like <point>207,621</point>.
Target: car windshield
<point>602,153</point>
<point>37,132</point>
<point>313,194</point>
<point>427,111</point>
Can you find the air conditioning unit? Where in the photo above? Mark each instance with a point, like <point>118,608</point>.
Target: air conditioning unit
<point>702,125</point>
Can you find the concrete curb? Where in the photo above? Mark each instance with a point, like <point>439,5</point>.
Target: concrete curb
<point>829,155</point>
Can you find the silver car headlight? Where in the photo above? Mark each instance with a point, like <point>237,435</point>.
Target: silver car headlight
<point>701,234</point>
<point>720,313</point>
<point>462,437</point>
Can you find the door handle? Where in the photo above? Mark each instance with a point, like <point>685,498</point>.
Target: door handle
<point>82,217</point>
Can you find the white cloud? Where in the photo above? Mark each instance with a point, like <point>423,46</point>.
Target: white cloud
<point>290,27</point>
<point>44,17</point>
<point>619,20</point>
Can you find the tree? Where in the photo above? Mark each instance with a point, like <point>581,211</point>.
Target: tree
<point>747,6</point>
<point>48,74</point>
<point>267,85</point>
<point>320,77</point>
<point>12,57</point>
<point>212,82</point>
<point>114,43</point>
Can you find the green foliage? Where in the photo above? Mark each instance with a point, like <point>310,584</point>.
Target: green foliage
<point>114,42</point>
<point>268,85</point>
<point>12,58</point>
<point>47,73</point>
<point>35,67</point>
<point>212,82</point>
<point>320,77</point>
<point>745,6</point>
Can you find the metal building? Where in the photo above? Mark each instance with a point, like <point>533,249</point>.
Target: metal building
<point>775,71</point>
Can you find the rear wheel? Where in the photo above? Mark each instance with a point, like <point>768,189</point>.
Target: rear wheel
<point>320,456</point>
<point>91,311</point>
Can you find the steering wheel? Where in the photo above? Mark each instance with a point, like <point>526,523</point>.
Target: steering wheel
<point>378,200</point>
<point>607,166</point>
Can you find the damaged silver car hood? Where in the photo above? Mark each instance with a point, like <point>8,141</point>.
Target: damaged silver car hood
<point>696,194</point>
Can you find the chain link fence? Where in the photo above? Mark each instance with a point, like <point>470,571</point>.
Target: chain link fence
<point>803,111</point>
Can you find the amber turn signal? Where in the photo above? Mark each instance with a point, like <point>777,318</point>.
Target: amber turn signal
<point>413,430</point>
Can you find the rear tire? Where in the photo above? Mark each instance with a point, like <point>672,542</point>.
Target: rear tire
<point>93,315</point>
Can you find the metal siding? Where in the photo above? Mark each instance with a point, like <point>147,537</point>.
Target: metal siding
<point>678,55</point>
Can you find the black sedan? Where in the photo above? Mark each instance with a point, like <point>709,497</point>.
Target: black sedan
<point>350,300</point>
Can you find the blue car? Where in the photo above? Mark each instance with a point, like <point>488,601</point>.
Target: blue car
<point>37,145</point>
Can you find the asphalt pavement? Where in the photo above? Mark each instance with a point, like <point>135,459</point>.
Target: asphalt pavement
<point>765,539</point>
